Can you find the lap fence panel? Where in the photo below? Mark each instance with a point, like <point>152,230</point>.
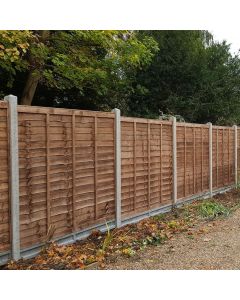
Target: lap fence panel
<point>5,243</point>
<point>68,174</point>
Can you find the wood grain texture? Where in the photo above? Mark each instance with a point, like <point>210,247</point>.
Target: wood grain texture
<point>4,180</point>
<point>67,174</point>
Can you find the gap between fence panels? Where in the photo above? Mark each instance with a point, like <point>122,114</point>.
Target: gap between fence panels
<point>128,146</point>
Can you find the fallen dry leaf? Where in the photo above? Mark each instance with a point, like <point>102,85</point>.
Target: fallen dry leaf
<point>206,240</point>
<point>123,241</point>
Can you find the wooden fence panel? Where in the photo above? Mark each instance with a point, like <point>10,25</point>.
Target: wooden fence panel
<point>105,161</point>
<point>60,173</point>
<point>66,171</point>
<point>128,167</point>
<point>142,192</point>
<point>238,153</point>
<point>192,159</point>
<point>181,161</point>
<point>67,168</point>
<point>205,157</point>
<point>4,185</point>
<point>146,165</point>
<point>167,172</point>
<point>231,159</point>
<point>32,177</point>
<point>223,156</point>
<point>156,153</point>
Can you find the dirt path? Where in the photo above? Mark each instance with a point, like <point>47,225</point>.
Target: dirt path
<point>219,248</point>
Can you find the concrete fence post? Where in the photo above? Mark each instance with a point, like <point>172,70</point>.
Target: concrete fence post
<point>210,160</point>
<point>174,158</point>
<point>117,167</point>
<point>14,174</point>
<point>235,154</point>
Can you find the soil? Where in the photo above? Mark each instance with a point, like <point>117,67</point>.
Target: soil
<point>178,240</point>
<point>216,249</point>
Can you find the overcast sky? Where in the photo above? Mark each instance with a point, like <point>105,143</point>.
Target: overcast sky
<point>231,36</point>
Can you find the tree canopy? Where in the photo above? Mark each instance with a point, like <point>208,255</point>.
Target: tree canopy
<point>87,63</point>
<point>144,73</point>
<point>192,76</point>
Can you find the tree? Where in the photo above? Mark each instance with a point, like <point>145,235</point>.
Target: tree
<point>192,76</point>
<point>86,62</point>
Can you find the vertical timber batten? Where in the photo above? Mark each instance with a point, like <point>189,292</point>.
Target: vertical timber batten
<point>117,139</point>
<point>185,161</point>
<point>235,154</point>
<point>217,157</point>
<point>74,171</point>
<point>47,174</point>
<point>149,163</point>
<point>160,183</point>
<point>95,168</point>
<point>210,159</point>
<point>14,174</point>
<point>194,161</point>
<point>223,181</point>
<point>174,159</point>
<point>229,179</point>
<point>202,158</point>
<point>135,165</point>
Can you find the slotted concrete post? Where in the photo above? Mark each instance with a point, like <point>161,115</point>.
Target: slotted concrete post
<point>174,158</point>
<point>117,140</point>
<point>14,174</point>
<point>210,160</point>
<point>235,154</point>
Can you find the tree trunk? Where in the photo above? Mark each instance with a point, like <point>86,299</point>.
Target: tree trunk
<point>30,88</point>
<point>34,74</point>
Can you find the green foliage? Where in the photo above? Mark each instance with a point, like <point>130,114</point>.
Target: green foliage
<point>210,209</point>
<point>144,73</point>
<point>128,252</point>
<point>192,76</point>
<point>107,240</point>
<point>95,64</point>
<point>13,47</point>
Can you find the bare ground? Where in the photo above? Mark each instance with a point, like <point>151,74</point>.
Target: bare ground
<point>217,248</point>
<point>181,239</point>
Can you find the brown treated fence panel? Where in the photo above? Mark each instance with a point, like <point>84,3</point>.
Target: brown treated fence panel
<point>105,169</point>
<point>238,153</point>
<point>166,166</point>
<point>128,166</point>
<point>32,177</point>
<point>229,177</point>
<point>60,173</point>
<point>223,156</point>
<point>192,159</point>
<point>142,182</point>
<point>146,147</point>
<point>205,157</point>
<point>4,187</point>
<point>66,171</point>
<point>67,168</point>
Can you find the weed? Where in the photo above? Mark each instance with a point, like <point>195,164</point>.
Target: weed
<point>129,252</point>
<point>210,209</point>
<point>173,224</point>
<point>107,239</point>
<point>159,217</point>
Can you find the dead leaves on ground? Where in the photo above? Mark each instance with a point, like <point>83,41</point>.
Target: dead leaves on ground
<point>100,248</point>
